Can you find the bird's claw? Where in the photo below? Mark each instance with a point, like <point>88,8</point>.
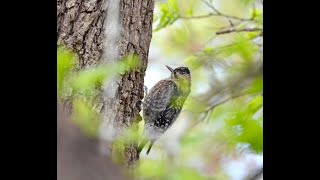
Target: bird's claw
<point>145,88</point>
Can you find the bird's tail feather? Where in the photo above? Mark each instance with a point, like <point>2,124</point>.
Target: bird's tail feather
<point>150,146</point>
<point>141,145</point>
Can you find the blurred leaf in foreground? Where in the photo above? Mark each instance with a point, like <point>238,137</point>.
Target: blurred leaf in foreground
<point>168,14</point>
<point>242,128</point>
<point>65,63</point>
<point>86,118</point>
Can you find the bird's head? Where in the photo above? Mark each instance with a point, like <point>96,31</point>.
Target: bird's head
<point>180,73</point>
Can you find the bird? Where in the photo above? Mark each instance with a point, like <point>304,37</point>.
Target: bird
<point>162,105</point>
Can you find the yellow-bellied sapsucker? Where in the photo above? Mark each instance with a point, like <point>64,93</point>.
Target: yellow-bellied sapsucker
<point>163,104</point>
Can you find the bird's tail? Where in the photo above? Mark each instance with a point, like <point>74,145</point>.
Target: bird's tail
<point>142,145</point>
<point>151,143</point>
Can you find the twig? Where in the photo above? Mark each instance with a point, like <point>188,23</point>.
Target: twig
<point>218,15</point>
<point>238,30</point>
<point>103,106</point>
<point>224,101</point>
<point>215,105</point>
<point>231,24</point>
<point>212,7</point>
<point>197,17</point>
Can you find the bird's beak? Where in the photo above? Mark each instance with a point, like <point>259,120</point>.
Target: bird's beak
<point>170,68</point>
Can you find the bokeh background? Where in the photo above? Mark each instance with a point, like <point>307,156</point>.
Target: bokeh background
<point>227,69</point>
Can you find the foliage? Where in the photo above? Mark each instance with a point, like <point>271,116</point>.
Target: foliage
<point>168,14</point>
<point>224,110</point>
<point>82,88</point>
<point>65,62</point>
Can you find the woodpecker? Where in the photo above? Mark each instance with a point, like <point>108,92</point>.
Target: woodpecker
<point>163,104</point>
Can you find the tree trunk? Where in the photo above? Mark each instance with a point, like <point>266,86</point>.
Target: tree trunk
<point>79,27</point>
<point>105,31</point>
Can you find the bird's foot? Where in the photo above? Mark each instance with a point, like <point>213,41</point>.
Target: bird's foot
<point>141,104</point>
<point>145,88</point>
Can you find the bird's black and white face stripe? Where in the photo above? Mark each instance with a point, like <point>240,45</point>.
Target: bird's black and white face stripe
<point>180,72</point>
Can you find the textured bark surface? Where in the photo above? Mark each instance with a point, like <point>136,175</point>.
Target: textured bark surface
<point>80,26</point>
<point>136,20</point>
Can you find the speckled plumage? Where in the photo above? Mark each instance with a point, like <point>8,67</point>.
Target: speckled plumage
<point>163,104</point>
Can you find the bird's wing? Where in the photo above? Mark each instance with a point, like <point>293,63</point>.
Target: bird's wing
<point>161,95</point>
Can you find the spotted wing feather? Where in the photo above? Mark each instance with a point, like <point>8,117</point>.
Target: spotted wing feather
<point>158,99</point>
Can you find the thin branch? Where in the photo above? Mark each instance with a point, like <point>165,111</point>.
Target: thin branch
<point>198,17</point>
<point>103,106</point>
<point>234,24</point>
<point>231,24</point>
<point>226,100</point>
<point>210,109</point>
<point>212,7</point>
<point>238,30</point>
<point>218,15</point>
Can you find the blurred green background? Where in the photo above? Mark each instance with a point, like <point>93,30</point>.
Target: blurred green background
<point>219,134</point>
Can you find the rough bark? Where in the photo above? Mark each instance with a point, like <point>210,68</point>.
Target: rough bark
<point>136,24</point>
<point>80,26</point>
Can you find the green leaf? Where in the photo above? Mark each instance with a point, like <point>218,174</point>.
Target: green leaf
<point>244,47</point>
<point>257,14</point>
<point>242,128</point>
<point>173,5</point>
<point>128,63</point>
<point>85,118</point>
<point>209,50</point>
<point>189,12</point>
<point>86,81</point>
<point>256,86</point>
<point>65,62</point>
<point>253,135</point>
<point>254,106</point>
<point>91,78</point>
<point>169,13</point>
